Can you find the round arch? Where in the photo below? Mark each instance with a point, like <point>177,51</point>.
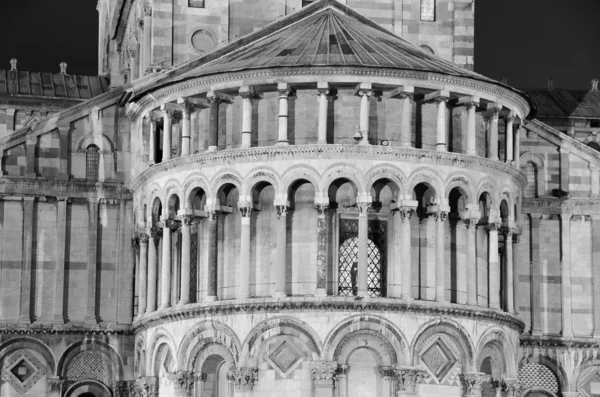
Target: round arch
<point>298,173</point>
<point>343,171</point>
<point>94,345</point>
<point>430,178</point>
<point>390,173</point>
<point>487,185</point>
<point>160,336</point>
<point>499,338</point>
<point>172,188</point>
<point>368,324</point>
<point>263,174</point>
<point>552,364</point>
<point>27,343</point>
<point>284,325</point>
<point>464,184</point>
<point>207,332</point>
<point>88,386</point>
<point>452,330</point>
<point>190,185</point>
<point>227,176</point>
<point>102,141</point>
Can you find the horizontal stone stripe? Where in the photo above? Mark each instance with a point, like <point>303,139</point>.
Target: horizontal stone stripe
<point>581,311</point>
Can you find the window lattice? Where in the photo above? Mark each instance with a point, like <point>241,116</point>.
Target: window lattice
<point>532,181</point>
<point>91,163</point>
<point>428,10</point>
<point>348,258</point>
<point>91,364</point>
<point>193,268</point>
<point>538,376</point>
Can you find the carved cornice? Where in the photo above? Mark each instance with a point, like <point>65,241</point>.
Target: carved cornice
<point>73,189</point>
<point>272,153</point>
<point>50,328</point>
<point>195,85</point>
<point>265,305</point>
<point>559,342</point>
<point>555,206</point>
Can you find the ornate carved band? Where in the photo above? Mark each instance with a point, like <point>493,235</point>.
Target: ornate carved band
<point>244,378</point>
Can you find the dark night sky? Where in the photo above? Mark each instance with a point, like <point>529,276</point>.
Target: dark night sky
<point>524,40</point>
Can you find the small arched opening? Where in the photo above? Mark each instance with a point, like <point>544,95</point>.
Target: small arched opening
<point>92,163</point>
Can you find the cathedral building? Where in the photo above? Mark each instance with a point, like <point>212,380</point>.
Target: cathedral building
<point>310,198</point>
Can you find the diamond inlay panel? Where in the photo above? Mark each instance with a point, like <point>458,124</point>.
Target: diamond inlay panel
<point>284,358</point>
<point>22,370</point>
<point>439,359</point>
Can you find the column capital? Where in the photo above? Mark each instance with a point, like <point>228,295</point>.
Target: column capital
<point>147,386</point>
<point>168,109</point>
<point>321,208</point>
<point>472,382</point>
<point>213,214</point>
<point>124,388</point>
<point>437,96</point>
<point>364,89</point>
<point>55,384</point>
<point>511,117</point>
<point>248,92</point>
<point>324,373</point>
<point>183,381</point>
<point>143,237</point>
<point>201,377</point>
<point>512,387</point>
<point>284,89</point>
<point>471,222</point>
<point>245,211</point>
<point>281,209</point>
<point>440,216</point>
<point>244,378</point>
<point>402,92</point>
<point>363,207</point>
<point>493,110</point>
<point>217,97</point>
<point>323,88</point>
<point>409,377</point>
<point>493,226</point>
<point>406,212</point>
<point>186,220</point>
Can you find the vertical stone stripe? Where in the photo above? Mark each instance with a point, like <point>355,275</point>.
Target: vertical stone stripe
<point>494,266</point>
<point>406,120</point>
<point>30,165</point>
<point>27,255</point>
<point>147,49</point>
<point>323,91</point>
<point>63,141</point>
<point>322,243</point>
<point>165,290</point>
<point>494,135</point>
<point>152,143</point>
<point>281,262</point>
<point>186,244</point>
<point>213,123</point>
<point>186,131</point>
<point>515,253</point>
<point>284,92</point>
<point>471,262</point>
<point>244,283</point>
<point>509,282</point>
<point>517,153</point>
<point>59,280</point>
<point>565,266</point>
<point>509,138</point>
<point>406,265</point>
<point>564,169</point>
<point>440,269</point>
<point>441,125</point>
<point>596,272</point>
<point>211,279</point>
<point>143,275</point>
<point>471,128</point>
<point>246,93</point>
<point>363,255</point>
<point>167,134</point>
<point>152,270</point>
<point>92,265</point>
<point>536,278</point>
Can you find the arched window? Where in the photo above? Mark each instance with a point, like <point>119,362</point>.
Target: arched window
<point>428,10</point>
<point>532,180</point>
<point>92,159</point>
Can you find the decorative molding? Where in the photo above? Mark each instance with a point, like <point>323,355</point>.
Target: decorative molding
<point>244,378</point>
<point>337,151</point>
<point>56,188</point>
<point>33,371</point>
<point>555,206</point>
<point>265,305</point>
<point>324,373</point>
<point>183,381</point>
<point>409,378</point>
<point>472,383</point>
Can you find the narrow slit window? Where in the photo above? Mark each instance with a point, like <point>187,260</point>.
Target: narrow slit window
<point>428,10</point>
<point>92,162</point>
<point>196,3</point>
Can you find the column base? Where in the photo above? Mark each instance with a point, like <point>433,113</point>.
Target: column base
<point>185,302</point>
<point>596,334</point>
<point>164,307</point>
<point>407,298</point>
<point>58,320</point>
<point>211,149</point>
<point>406,394</point>
<point>364,142</point>
<point>321,292</point>
<point>495,307</point>
<point>536,332</point>
<point>471,153</point>
<point>494,158</point>
<point>89,320</point>
<point>279,294</point>
<point>211,298</point>
<point>150,310</point>
<point>321,142</point>
<point>362,294</point>
<point>570,335</point>
<point>282,143</point>
<point>406,145</point>
<point>441,147</point>
<point>25,320</point>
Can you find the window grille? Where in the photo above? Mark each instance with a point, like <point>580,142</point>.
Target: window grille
<point>92,162</point>
<point>428,10</point>
<point>531,174</point>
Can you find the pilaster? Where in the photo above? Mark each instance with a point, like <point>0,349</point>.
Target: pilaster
<point>92,265</point>
<point>212,231</point>
<point>59,281</point>
<point>26,265</point>
<point>281,239</point>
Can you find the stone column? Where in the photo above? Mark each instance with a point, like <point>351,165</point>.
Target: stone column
<point>471,127</point>
<point>63,143</point>
<point>152,270</point>
<point>405,128</point>
<point>536,276</point>
<point>494,266</point>
<point>59,282</point>
<point>440,257</point>
<point>247,94</point>
<point>213,235</point>
<point>508,259</point>
<point>324,374</point>
<point>363,254</point>
<point>244,380</point>
<point>510,119</point>
<point>245,212</point>
<point>143,276</point>
<point>186,126</point>
<point>27,255</point>
<point>409,379</point>
<point>389,376</point>
<point>472,383</point>
<point>440,98</point>
<point>596,272</point>
<point>147,44</point>
<point>183,382</point>
<point>280,265</point>
<point>152,143</point>
<point>165,275</point>
<point>322,244</point>
<point>565,247</point>
<point>323,91</point>
<point>512,388</point>
<point>517,152</point>
<point>341,380</point>
<point>186,244</point>
<point>30,156</point>
<point>284,92</point>
<point>213,124</point>
<point>167,132</point>
<point>471,280</point>
<point>515,252</point>
<point>92,266</point>
<point>406,264</point>
<point>494,111</point>
<point>364,91</point>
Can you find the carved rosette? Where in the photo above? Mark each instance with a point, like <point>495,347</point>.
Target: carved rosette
<point>244,378</point>
<point>409,378</point>
<point>324,373</point>
<point>183,381</point>
<point>472,382</point>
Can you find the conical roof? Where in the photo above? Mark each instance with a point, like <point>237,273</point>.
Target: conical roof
<point>330,34</point>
